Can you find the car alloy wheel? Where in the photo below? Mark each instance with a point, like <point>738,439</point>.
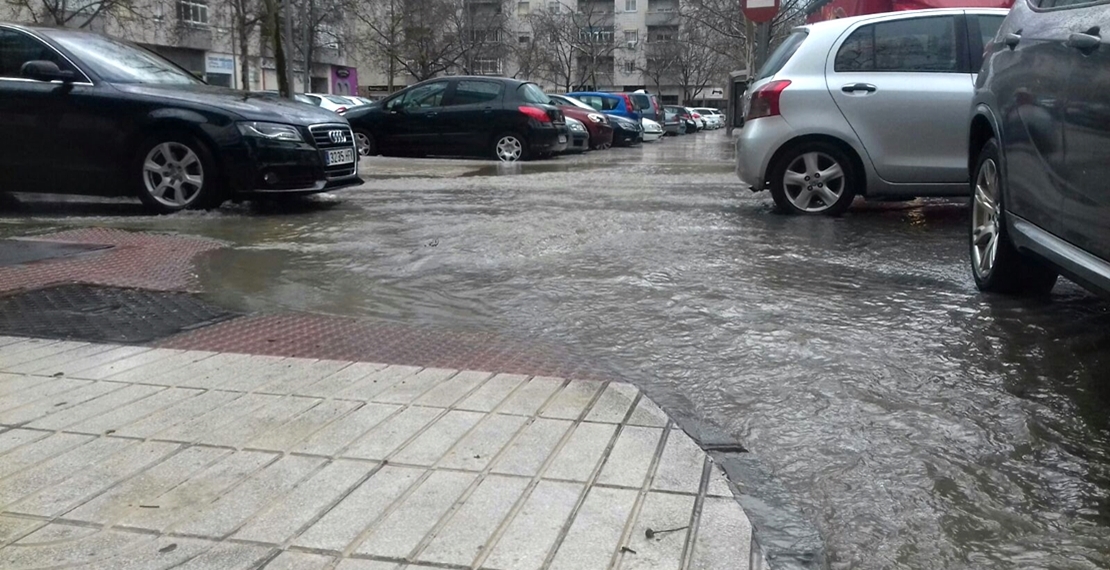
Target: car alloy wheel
<point>173,175</point>
<point>362,142</point>
<point>814,182</point>
<point>984,219</point>
<point>509,148</point>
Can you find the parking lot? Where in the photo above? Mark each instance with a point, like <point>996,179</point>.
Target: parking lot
<point>913,421</point>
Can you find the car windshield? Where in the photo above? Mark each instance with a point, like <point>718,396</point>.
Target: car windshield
<point>782,54</point>
<point>339,100</point>
<point>118,62</point>
<point>532,93</point>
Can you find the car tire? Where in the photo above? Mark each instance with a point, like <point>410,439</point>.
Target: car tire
<point>175,171</point>
<point>796,184</point>
<point>996,264</point>
<point>365,143</point>
<point>509,147</point>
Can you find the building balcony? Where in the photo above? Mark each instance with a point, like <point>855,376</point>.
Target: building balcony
<point>662,18</point>
<point>194,36</point>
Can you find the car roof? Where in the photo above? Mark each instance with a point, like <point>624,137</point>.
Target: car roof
<point>595,93</point>
<point>843,23</point>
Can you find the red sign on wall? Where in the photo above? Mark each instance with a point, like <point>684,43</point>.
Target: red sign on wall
<point>760,11</point>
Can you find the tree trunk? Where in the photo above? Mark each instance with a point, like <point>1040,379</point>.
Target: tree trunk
<point>244,58</point>
<point>279,50</point>
<point>308,40</point>
<point>288,56</point>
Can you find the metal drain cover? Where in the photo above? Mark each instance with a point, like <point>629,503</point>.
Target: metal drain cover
<point>104,314</point>
<point>19,251</point>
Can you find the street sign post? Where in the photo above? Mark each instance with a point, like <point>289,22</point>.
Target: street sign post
<point>760,11</point>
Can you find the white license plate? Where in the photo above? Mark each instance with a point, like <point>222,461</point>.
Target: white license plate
<point>341,156</point>
<point>562,139</point>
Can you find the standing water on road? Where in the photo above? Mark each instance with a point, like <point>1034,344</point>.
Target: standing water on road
<point>916,422</point>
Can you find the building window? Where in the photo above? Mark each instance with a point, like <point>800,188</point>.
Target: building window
<point>487,66</point>
<point>524,39</point>
<point>629,67</point>
<point>600,35</point>
<point>631,37</point>
<point>554,7</point>
<point>629,5</point>
<point>522,8</point>
<point>193,12</point>
<point>485,36</point>
<point>662,37</point>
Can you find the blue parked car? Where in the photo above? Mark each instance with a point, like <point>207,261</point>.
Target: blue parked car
<point>619,104</point>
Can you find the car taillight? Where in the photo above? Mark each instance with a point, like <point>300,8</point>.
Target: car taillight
<point>535,113</point>
<point>765,100</point>
<point>697,116</point>
<point>341,110</point>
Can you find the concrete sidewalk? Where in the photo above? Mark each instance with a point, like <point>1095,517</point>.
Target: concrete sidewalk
<point>129,457</point>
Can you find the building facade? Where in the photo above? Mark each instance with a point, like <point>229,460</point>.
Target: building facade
<point>609,45</point>
<point>198,35</point>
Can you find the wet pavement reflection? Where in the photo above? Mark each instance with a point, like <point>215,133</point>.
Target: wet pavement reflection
<point>915,422</point>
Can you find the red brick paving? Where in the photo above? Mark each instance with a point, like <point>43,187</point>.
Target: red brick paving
<point>165,263</point>
<point>341,338</point>
<point>139,260</point>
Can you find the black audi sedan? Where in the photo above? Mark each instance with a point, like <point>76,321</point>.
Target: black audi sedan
<point>502,118</point>
<point>83,113</point>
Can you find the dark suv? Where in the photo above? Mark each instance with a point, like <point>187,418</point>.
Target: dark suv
<point>1040,148</point>
<point>503,118</point>
<point>85,113</point>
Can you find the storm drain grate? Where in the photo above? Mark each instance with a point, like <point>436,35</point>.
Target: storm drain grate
<point>18,251</point>
<point>104,314</point>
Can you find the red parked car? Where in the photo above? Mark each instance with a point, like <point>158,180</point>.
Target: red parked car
<point>601,131</point>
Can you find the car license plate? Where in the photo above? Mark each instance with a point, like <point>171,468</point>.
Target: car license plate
<point>341,156</point>
<point>562,139</point>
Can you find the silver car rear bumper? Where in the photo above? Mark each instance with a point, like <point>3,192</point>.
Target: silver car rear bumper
<point>757,143</point>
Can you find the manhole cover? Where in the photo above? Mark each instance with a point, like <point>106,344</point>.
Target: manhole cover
<point>104,314</point>
<point>18,251</point>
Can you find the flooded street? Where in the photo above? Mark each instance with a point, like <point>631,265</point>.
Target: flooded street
<point>914,422</point>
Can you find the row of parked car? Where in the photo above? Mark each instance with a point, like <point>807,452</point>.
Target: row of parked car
<point>1006,106</point>
<point>132,123</point>
<point>510,120</point>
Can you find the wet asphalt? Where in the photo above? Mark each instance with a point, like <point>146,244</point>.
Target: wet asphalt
<point>874,409</point>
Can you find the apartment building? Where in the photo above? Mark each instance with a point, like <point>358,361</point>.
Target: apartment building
<point>621,46</point>
<point>201,37</point>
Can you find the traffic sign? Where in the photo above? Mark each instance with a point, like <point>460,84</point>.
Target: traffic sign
<point>760,11</point>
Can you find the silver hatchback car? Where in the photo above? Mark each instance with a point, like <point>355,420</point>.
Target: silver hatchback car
<point>875,106</point>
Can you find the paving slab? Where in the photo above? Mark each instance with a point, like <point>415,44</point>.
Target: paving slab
<point>153,458</point>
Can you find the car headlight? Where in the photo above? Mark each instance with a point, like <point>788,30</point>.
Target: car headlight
<point>576,125</point>
<point>596,118</point>
<point>270,131</point>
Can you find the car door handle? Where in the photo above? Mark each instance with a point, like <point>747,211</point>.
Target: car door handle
<point>853,87</point>
<point>1085,42</point>
<point>1012,39</point>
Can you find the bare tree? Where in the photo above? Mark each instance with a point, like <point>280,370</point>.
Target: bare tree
<point>71,13</point>
<point>381,33</point>
<point>246,15</point>
<point>577,47</point>
<point>698,60</point>
<point>725,18</point>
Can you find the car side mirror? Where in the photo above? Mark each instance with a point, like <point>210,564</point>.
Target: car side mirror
<point>42,70</point>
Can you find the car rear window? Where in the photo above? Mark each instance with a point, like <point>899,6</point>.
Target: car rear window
<point>782,54</point>
<point>531,93</point>
<point>642,101</point>
<point>600,103</point>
